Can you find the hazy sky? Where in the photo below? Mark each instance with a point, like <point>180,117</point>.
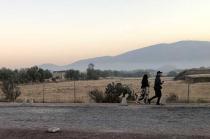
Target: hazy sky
<point>63,31</point>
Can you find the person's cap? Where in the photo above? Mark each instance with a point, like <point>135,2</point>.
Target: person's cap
<point>159,72</point>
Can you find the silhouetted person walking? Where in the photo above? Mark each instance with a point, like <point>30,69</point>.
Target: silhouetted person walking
<point>157,88</point>
<point>144,90</point>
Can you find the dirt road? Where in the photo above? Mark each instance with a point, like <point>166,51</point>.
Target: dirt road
<point>105,121</point>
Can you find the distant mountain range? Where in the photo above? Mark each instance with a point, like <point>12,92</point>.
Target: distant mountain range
<point>165,57</point>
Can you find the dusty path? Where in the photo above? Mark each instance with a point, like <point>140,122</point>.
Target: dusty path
<point>71,134</point>
<point>105,121</point>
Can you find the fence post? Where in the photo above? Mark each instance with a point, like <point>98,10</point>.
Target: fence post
<point>74,92</point>
<point>188,93</point>
<point>43,93</point>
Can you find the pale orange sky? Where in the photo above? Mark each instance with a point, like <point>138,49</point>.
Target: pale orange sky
<point>34,32</point>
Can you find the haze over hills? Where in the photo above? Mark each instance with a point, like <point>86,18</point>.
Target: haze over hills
<point>166,57</point>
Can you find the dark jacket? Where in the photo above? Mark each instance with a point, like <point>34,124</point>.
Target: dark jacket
<point>158,83</point>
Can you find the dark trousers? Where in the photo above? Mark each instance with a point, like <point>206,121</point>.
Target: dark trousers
<point>158,95</point>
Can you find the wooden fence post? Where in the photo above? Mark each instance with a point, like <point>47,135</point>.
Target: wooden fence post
<point>74,91</point>
<point>188,93</point>
<point>43,95</point>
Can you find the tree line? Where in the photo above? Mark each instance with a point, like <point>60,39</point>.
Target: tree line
<point>95,74</point>
<point>35,74</point>
<point>26,75</point>
<point>11,78</point>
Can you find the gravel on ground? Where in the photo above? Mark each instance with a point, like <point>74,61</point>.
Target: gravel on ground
<point>105,121</point>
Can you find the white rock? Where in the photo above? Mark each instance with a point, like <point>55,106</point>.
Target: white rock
<point>53,130</point>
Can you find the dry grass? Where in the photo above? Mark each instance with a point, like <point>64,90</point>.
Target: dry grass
<point>64,91</point>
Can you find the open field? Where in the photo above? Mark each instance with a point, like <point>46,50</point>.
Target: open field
<point>64,91</point>
<point>105,121</point>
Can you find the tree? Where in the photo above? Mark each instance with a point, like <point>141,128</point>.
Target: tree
<point>36,74</point>
<point>72,75</point>
<point>47,74</point>
<point>83,76</point>
<point>6,74</point>
<point>44,74</point>
<point>172,74</point>
<point>91,73</point>
<point>91,66</point>
<point>33,74</point>
<point>10,90</point>
<point>22,76</point>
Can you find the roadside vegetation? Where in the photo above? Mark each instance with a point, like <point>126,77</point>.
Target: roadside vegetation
<point>11,78</point>
<point>113,93</point>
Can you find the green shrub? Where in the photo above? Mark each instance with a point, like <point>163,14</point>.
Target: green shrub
<point>10,90</point>
<point>97,96</point>
<point>113,91</point>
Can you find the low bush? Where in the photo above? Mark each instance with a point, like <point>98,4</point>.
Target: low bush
<point>113,91</point>
<point>172,98</point>
<point>97,96</point>
<point>112,94</point>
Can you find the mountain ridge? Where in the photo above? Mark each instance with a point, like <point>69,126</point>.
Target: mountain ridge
<point>181,54</point>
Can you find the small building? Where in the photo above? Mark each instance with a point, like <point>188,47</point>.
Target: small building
<point>59,75</point>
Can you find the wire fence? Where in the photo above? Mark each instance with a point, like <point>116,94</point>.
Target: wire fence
<point>78,91</point>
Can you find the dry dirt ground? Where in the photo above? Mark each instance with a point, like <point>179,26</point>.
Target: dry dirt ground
<point>105,121</point>
<point>63,92</point>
